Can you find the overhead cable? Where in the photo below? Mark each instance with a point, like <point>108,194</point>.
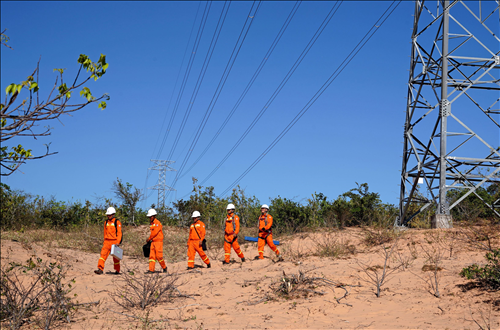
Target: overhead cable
<point>279,88</point>
<point>321,90</point>
<point>170,102</point>
<point>249,85</point>
<point>201,75</point>
<point>236,49</point>
<point>192,57</point>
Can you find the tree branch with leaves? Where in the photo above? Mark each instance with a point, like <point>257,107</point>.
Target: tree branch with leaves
<point>22,117</point>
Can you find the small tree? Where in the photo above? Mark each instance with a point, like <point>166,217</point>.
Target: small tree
<point>363,203</point>
<point>128,195</point>
<point>23,118</point>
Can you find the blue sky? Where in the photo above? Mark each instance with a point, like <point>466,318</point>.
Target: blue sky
<point>353,133</point>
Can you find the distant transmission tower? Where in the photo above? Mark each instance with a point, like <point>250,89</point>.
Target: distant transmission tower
<point>162,166</point>
<point>452,130</point>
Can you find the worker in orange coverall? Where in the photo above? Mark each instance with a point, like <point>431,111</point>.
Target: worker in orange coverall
<point>112,235</point>
<point>231,235</point>
<point>156,239</point>
<point>265,233</point>
<point>196,236</point>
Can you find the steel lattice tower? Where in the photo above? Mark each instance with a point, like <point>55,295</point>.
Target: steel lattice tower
<point>162,166</point>
<point>452,130</point>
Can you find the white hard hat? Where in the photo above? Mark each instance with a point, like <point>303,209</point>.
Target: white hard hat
<point>151,212</point>
<point>110,211</point>
<point>264,206</point>
<point>230,207</point>
<point>196,214</point>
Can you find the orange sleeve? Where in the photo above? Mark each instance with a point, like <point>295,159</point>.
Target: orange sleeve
<point>237,223</point>
<point>154,230</point>
<point>269,222</point>
<point>202,231</point>
<point>118,231</point>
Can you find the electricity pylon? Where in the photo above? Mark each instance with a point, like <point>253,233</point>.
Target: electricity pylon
<point>452,130</point>
<point>162,166</point>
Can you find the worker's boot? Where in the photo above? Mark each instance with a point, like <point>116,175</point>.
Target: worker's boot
<point>98,272</point>
<point>208,266</point>
<point>242,259</point>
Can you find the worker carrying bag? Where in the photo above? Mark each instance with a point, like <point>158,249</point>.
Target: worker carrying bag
<point>146,249</point>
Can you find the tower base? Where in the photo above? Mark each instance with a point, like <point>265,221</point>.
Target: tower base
<point>441,221</point>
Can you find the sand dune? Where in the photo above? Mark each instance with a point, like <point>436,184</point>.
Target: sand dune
<point>239,295</point>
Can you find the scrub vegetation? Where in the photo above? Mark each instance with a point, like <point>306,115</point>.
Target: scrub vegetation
<point>323,226</point>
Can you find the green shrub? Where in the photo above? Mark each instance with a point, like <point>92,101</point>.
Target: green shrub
<point>487,276</point>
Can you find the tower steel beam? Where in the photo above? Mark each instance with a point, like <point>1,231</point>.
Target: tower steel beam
<point>162,166</point>
<point>452,124</point>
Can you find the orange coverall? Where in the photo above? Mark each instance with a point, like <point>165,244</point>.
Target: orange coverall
<point>266,235</point>
<point>156,251</point>
<point>112,235</point>
<point>196,235</point>
<point>230,237</point>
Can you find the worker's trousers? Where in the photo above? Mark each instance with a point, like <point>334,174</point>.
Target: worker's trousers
<point>105,251</point>
<point>262,242</point>
<point>230,241</point>
<point>156,254</point>
<point>193,247</point>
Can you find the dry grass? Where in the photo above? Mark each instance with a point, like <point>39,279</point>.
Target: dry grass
<point>378,236</point>
<point>334,244</point>
<point>90,238</point>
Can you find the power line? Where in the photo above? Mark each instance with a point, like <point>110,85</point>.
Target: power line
<point>170,101</point>
<point>176,81</point>
<point>249,85</point>
<point>328,82</point>
<point>194,51</point>
<point>236,49</point>
<point>201,76</point>
<point>306,50</point>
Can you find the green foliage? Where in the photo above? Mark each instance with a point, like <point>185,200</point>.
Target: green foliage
<point>129,196</point>
<point>213,208</point>
<point>471,208</point>
<point>20,211</point>
<point>487,276</point>
<point>357,207</point>
<point>36,292</point>
<point>289,216</point>
<point>21,118</point>
<point>363,204</point>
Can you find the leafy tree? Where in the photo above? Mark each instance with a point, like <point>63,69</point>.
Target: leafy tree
<point>487,276</point>
<point>341,209</point>
<point>129,196</point>
<point>247,208</point>
<point>289,216</point>
<point>363,203</point>
<point>22,118</point>
<point>471,207</point>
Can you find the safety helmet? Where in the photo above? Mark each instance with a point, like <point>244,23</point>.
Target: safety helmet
<point>230,207</point>
<point>264,206</point>
<point>110,211</point>
<point>151,212</point>
<point>196,214</point>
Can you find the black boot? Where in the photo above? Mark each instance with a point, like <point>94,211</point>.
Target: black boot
<point>209,265</point>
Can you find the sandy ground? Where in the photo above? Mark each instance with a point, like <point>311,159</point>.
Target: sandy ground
<point>239,295</point>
